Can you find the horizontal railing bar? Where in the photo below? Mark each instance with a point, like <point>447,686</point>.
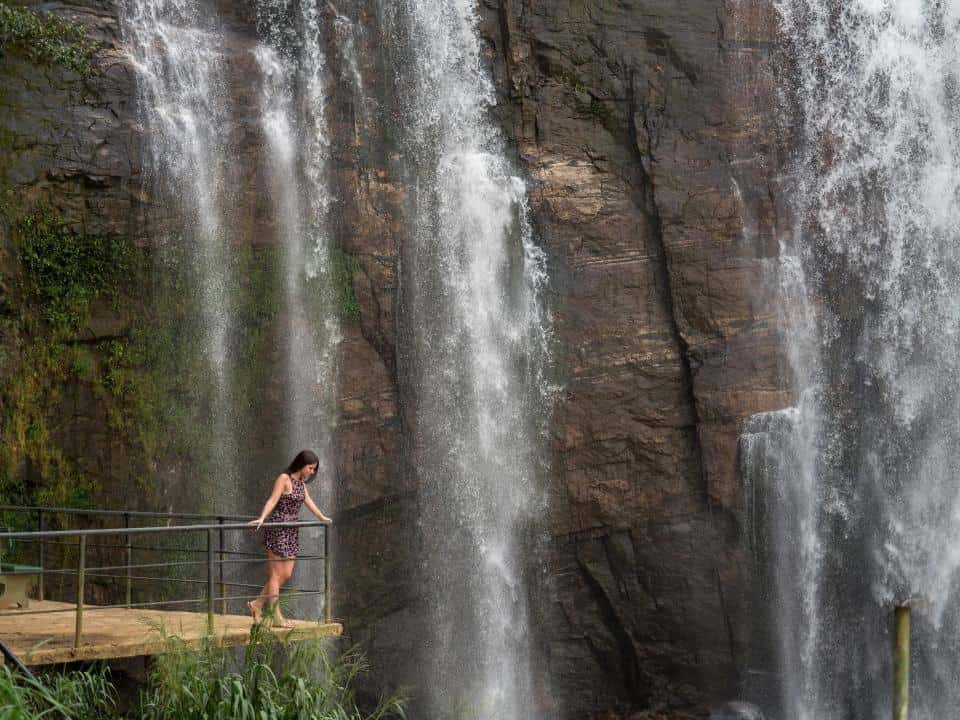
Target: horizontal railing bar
<point>94,608</point>
<point>144,548</point>
<point>110,546</point>
<point>141,566</point>
<point>89,608</point>
<point>283,595</point>
<point>192,581</point>
<point>160,529</point>
<point>122,513</point>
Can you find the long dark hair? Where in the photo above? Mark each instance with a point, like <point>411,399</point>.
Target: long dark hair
<point>303,458</point>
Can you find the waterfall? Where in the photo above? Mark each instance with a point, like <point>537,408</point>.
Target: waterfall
<point>860,479</point>
<point>473,349</point>
<point>180,53</point>
<point>292,110</point>
<point>175,49</point>
<point>475,353</point>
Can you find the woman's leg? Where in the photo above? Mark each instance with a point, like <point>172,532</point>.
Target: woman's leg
<point>271,590</point>
<point>284,572</point>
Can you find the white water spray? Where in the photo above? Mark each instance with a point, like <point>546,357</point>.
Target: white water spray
<point>478,335</point>
<point>183,97</point>
<point>861,478</point>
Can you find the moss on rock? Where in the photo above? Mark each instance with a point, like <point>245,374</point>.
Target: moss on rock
<point>344,268</point>
<point>61,271</point>
<point>45,38</point>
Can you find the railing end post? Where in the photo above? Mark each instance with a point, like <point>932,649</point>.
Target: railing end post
<point>81,568</point>
<point>327,587</point>
<point>901,662</point>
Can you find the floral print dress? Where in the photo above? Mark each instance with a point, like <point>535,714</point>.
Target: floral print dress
<point>285,542</point>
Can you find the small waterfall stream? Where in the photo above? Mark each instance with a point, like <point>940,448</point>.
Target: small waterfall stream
<point>292,109</point>
<point>476,351</point>
<point>857,485</point>
<point>175,48</point>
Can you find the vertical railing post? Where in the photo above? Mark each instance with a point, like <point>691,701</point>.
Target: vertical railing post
<point>81,566</point>
<point>43,551</point>
<point>210,593</point>
<point>901,662</point>
<point>327,587</point>
<point>129,548</point>
<point>223,587</point>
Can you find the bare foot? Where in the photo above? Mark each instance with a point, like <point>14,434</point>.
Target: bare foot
<point>282,622</point>
<point>255,610</point>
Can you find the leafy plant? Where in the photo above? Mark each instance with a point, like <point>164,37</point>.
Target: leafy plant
<point>276,681</point>
<point>62,271</point>
<point>65,270</point>
<point>46,38</point>
<point>81,695</point>
<point>269,680</point>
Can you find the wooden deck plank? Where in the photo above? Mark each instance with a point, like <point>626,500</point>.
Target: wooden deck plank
<point>119,632</point>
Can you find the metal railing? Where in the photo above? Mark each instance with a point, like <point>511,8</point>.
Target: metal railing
<point>215,557</point>
<point>42,513</point>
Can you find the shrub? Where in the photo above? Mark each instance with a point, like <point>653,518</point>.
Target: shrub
<point>45,38</point>
<point>276,681</point>
<point>84,695</point>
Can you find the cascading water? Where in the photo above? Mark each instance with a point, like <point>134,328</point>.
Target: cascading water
<point>182,93</point>
<point>859,482</point>
<point>475,346</point>
<point>476,349</point>
<point>292,66</point>
<point>292,116</point>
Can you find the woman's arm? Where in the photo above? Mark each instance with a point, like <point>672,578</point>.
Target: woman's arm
<point>308,501</point>
<point>280,486</point>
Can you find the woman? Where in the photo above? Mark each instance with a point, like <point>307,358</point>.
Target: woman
<point>283,544</point>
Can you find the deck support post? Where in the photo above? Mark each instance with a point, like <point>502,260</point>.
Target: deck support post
<point>81,567</point>
<point>43,548</point>
<point>901,662</point>
<point>327,587</point>
<point>223,587</point>
<point>210,593</point>
<point>129,594</point>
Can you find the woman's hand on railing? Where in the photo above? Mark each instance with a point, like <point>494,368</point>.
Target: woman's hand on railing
<point>256,523</point>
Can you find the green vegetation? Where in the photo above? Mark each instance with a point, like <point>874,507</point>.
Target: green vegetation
<point>45,38</point>
<point>65,270</point>
<point>152,382</point>
<point>267,681</point>
<point>149,377</point>
<point>62,272</point>
<point>600,110</point>
<point>344,268</point>
<point>86,695</point>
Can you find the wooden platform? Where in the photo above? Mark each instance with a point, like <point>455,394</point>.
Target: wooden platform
<point>119,632</point>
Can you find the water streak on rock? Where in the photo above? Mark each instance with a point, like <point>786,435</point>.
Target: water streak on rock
<point>863,505</point>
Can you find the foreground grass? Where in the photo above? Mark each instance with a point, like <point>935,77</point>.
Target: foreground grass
<point>86,695</point>
<point>267,681</point>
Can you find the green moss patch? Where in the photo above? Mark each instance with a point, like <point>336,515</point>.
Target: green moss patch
<point>344,268</point>
<point>61,271</point>
<point>45,38</point>
<point>64,269</point>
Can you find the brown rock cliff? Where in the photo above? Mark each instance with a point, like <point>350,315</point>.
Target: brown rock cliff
<point>649,132</point>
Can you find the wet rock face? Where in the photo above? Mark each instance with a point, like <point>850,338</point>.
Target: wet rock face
<point>647,130</point>
<point>649,134</point>
<point>736,711</point>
